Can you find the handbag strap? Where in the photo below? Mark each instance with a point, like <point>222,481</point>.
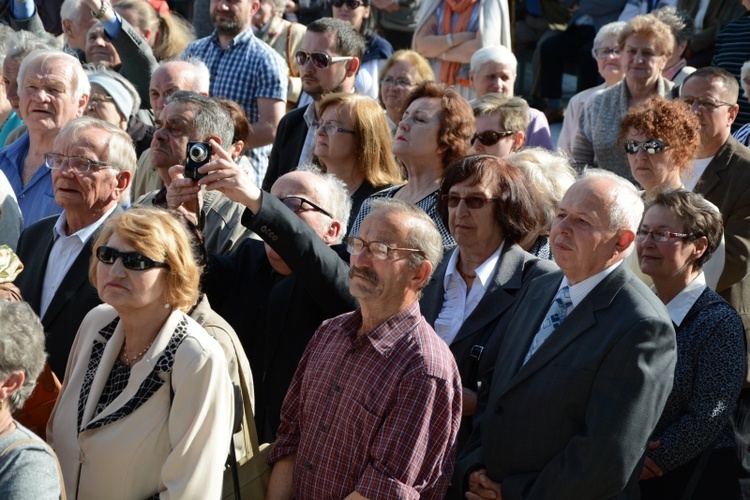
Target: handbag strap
<point>57,462</point>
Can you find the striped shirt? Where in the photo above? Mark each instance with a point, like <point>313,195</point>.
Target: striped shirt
<point>732,50</point>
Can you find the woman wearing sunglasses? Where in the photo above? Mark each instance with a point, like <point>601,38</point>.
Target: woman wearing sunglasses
<point>501,124</point>
<point>488,206</point>
<point>693,443</point>
<point>359,14</point>
<point>146,405</point>
<point>354,143</point>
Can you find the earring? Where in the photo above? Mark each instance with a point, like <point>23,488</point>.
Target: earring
<point>167,306</point>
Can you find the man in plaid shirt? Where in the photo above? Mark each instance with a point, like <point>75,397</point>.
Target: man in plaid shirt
<point>374,408</point>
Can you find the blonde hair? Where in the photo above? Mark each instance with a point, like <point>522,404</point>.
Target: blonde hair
<point>174,33</point>
<point>649,25</point>
<point>159,236</point>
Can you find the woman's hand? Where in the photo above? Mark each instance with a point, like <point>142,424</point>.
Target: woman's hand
<point>481,486</point>
<point>650,469</point>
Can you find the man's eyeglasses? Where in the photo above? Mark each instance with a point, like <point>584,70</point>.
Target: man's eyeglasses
<point>331,128</point>
<point>131,260</point>
<point>704,102</point>
<point>320,60</point>
<point>472,202</point>
<point>378,249</point>
<point>296,204</point>
<point>659,236</point>
<point>350,4</point>
<point>604,53</point>
<point>490,137</point>
<point>56,161</point>
<point>395,82</point>
<point>651,146</point>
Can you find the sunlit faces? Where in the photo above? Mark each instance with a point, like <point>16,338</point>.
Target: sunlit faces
<point>318,81</point>
<point>477,226</point>
<point>355,16</point>
<point>339,147</point>
<point>396,85</point>
<point>231,17</point>
<point>10,79</point>
<point>102,106</point>
<point>265,13</point>
<point>652,170</point>
<point>417,133</point>
<point>715,121</point>
<point>99,50</point>
<point>640,60</point>
<point>608,59</point>
<point>168,79</point>
<point>175,128</point>
<point>504,146</point>
<point>493,77</point>
<point>668,259</point>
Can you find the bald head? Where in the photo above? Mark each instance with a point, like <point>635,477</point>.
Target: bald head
<point>172,76</point>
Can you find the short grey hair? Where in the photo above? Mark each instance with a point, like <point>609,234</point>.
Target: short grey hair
<point>201,75</point>
<point>21,348</point>
<point>744,74</point>
<point>498,54</point>
<point>5,33</point>
<point>423,233</point>
<point>626,208</point>
<point>608,30</point>
<point>335,200</point>
<point>678,21</point>
<point>120,149</point>
<point>71,9</point>
<point>211,118</point>
<point>81,85</point>
<point>23,43</point>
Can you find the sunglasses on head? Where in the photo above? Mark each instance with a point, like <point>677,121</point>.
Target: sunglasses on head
<point>320,60</point>
<point>490,137</point>
<point>131,260</point>
<point>651,146</point>
<point>350,4</point>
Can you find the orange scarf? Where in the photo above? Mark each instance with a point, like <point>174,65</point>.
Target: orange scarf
<point>449,70</point>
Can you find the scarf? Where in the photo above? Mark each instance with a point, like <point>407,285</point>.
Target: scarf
<point>448,69</point>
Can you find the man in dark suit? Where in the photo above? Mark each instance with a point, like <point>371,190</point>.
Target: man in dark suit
<point>722,176</point>
<point>92,164</point>
<point>585,367</point>
<point>326,38</point>
<point>276,292</point>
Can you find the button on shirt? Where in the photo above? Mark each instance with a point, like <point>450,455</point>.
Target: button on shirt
<point>376,413</point>
<point>246,70</point>
<point>457,304</point>
<point>64,252</point>
<point>37,197</point>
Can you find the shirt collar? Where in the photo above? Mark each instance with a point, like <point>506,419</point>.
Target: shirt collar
<point>384,336</point>
<point>679,306</point>
<point>83,234</point>
<point>310,116</point>
<point>244,37</point>
<point>580,290</point>
<point>484,272</point>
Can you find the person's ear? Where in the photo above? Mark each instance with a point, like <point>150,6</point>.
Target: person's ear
<point>625,238</point>
<point>124,178</point>
<point>699,247</point>
<point>235,150</point>
<point>733,110</point>
<point>519,139</point>
<point>11,384</point>
<point>353,66</point>
<point>332,233</point>
<point>421,275</point>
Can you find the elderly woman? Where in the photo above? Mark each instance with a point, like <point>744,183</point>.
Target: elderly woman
<point>645,46</point>
<point>401,74</point>
<point>146,406</point>
<point>434,132</point>
<point>501,124</point>
<point>606,52</point>
<point>353,142</point>
<point>487,204</point>
<point>549,175</point>
<point>28,467</point>
<point>450,32</point>
<point>693,441</point>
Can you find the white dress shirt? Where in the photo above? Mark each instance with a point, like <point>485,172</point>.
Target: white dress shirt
<point>680,305</point>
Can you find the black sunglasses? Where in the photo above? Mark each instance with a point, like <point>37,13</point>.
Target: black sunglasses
<point>472,202</point>
<point>651,146</point>
<point>350,4</point>
<point>490,137</point>
<point>295,204</point>
<point>320,60</point>
<point>131,260</point>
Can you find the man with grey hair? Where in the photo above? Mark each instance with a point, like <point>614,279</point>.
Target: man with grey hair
<point>91,164</point>
<point>53,89</point>
<point>375,405</point>
<point>276,292</point>
<point>76,18</point>
<point>493,70</point>
<point>585,368</point>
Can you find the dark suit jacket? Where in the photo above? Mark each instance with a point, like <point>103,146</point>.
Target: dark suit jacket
<point>515,268</point>
<point>275,316</point>
<point>726,184</point>
<point>287,146</point>
<point>573,422</point>
<point>72,301</point>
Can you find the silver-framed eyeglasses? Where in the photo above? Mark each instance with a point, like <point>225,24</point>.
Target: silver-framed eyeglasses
<point>660,236</point>
<point>56,161</point>
<point>396,82</point>
<point>378,250</point>
<point>331,128</point>
<point>704,102</point>
<point>604,53</point>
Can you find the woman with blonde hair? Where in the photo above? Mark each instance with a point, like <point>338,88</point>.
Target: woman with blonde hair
<point>354,143</point>
<point>401,74</point>
<point>167,34</point>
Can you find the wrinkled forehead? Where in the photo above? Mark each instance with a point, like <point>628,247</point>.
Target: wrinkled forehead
<point>48,68</point>
<point>385,225</point>
<point>176,76</point>
<point>89,139</point>
<point>302,184</point>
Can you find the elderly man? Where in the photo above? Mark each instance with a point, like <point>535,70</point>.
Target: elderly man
<point>375,405</point>
<point>189,116</point>
<point>275,295</point>
<point>585,367</point>
<point>722,175</point>
<point>493,70</point>
<point>502,122</point>
<point>53,89</point>
<point>247,71</point>
<point>77,18</point>
<point>91,164</point>
<point>168,78</point>
<point>329,57</point>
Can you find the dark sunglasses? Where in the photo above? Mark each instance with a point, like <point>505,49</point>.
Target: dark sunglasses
<point>350,4</point>
<point>472,202</point>
<point>490,137</point>
<point>320,60</point>
<point>131,260</point>
<point>651,146</point>
<point>296,204</point>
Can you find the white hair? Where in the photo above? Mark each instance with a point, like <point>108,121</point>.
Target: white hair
<point>497,54</point>
<point>201,75</point>
<point>626,208</point>
<point>336,200</point>
<point>81,85</point>
<point>608,30</point>
<point>744,74</point>
<point>71,10</point>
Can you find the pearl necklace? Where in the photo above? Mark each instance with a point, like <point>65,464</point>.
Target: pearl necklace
<point>131,361</point>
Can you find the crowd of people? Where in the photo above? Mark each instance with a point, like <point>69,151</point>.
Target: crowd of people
<point>343,229</point>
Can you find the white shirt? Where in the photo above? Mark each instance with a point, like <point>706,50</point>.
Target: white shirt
<point>457,303</point>
<point>311,116</point>
<point>679,306</point>
<point>690,179</point>
<point>65,251</point>
<point>580,290</point>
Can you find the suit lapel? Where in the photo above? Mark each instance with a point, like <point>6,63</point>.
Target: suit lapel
<point>35,263</point>
<point>712,175</point>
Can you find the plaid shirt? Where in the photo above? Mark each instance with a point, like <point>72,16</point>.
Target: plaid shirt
<point>377,414</point>
<point>246,70</point>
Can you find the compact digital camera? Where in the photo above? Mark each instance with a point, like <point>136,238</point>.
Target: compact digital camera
<point>198,154</point>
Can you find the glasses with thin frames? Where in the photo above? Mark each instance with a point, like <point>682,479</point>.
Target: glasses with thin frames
<point>96,100</point>
<point>604,53</point>
<point>490,137</point>
<point>296,204</point>
<point>378,250</point>
<point>56,161</point>
<point>659,236</point>
<point>395,82</point>
<point>472,202</point>
<point>350,4</point>
<point>651,146</point>
<point>704,102</point>
<point>131,260</point>
<point>331,129</point>
<point>320,60</point>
